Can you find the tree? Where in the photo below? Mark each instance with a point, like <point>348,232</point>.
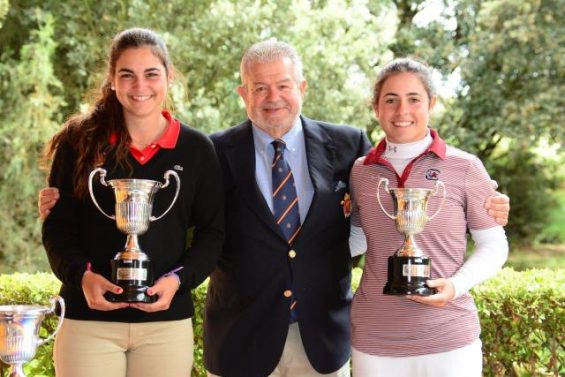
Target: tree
<point>338,40</point>
<point>512,76</point>
<point>29,110</point>
<point>3,10</point>
<point>507,54</point>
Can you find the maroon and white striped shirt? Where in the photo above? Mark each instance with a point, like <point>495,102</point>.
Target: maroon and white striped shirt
<point>394,325</point>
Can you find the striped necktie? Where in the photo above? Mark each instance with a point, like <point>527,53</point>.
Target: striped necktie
<point>285,200</point>
<point>285,207</point>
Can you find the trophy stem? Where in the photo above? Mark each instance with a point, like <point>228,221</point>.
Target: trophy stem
<point>132,270</point>
<point>409,248</point>
<point>16,370</point>
<point>132,243</point>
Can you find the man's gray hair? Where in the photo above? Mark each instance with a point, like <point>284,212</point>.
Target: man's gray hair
<point>269,51</point>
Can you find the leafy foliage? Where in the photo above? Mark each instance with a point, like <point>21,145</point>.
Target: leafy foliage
<point>512,75</point>
<point>530,181</point>
<point>29,112</point>
<point>507,57</point>
<point>523,323</point>
<point>206,39</point>
<point>505,52</point>
<point>199,299</point>
<point>3,10</point>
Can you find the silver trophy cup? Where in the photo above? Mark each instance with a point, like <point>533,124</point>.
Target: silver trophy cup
<point>19,332</point>
<point>131,267</point>
<point>409,268</point>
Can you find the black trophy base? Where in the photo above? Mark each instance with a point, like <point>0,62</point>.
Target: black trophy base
<point>134,276</point>
<point>131,294</point>
<point>408,276</point>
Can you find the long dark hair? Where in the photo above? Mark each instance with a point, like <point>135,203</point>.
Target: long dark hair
<point>89,133</point>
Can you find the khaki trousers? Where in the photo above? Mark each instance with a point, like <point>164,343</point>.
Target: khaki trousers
<point>116,349</point>
<point>294,362</point>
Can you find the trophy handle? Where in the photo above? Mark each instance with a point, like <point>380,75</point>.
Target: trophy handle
<point>436,189</point>
<point>103,182</point>
<point>379,196</point>
<point>166,176</point>
<point>54,300</point>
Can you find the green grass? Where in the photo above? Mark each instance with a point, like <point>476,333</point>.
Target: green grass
<point>555,232</point>
<point>538,256</point>
<point>549,254</point>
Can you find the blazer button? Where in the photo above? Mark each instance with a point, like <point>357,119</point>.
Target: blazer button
<point>287,293</point>
<point>292,253</point>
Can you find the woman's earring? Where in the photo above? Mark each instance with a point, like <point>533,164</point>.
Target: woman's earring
<point>112,87</point>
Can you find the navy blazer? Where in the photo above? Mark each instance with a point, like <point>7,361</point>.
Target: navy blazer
<point>247,314</point>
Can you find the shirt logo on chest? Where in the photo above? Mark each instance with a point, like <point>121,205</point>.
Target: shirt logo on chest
<point>432,174</point>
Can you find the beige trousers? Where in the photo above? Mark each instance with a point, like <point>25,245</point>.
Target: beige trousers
<point>294,362</point>
<point>116,349</point>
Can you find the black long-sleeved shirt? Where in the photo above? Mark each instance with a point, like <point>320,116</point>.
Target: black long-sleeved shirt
<point>76,233</point>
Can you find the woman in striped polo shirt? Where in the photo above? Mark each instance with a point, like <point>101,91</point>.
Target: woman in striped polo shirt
<point>436,335</point>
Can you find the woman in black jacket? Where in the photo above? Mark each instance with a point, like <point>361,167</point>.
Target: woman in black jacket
<point>130,134</point>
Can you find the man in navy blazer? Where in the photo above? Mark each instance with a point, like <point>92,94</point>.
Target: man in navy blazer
<point>247,327</point>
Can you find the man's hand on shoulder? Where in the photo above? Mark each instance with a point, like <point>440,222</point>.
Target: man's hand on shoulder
<point>498,206</point>
<point>47,198</point>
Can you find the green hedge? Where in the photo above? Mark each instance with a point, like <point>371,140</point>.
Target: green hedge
<point>522,317</point>
<point>523,323</point>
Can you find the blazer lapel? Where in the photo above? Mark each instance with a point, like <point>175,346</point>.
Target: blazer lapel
<point>320,151</point>
<point>241,159</point>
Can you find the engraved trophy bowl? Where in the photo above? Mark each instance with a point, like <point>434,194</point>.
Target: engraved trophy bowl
<point>409,268</point>
<point>19,332</point>
<point>131,268</point>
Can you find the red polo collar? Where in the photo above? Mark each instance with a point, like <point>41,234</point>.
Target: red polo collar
<point>437,147</point>
<point>171,135</point>
<point>167,141</point>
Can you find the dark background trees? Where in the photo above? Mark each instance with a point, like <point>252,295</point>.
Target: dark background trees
<point>503,59</point>
<point>507,108</point>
